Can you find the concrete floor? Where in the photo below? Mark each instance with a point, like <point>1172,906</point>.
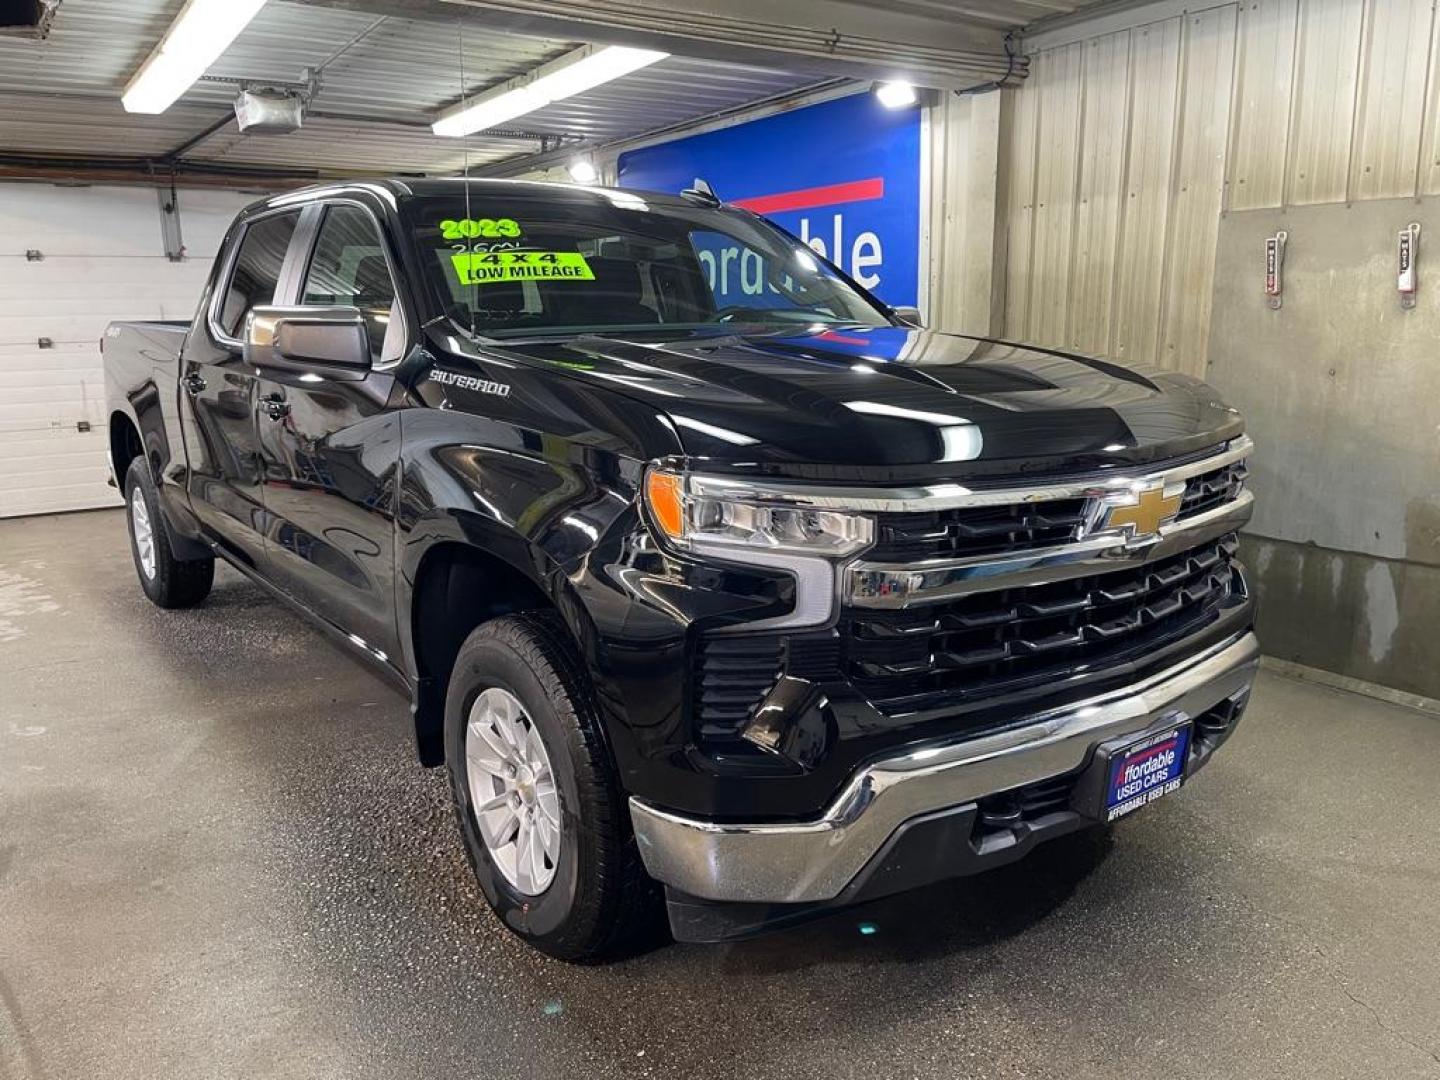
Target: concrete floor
<point>218,859</point>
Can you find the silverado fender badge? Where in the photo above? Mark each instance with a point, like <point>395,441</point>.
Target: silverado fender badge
<point>469,382</point>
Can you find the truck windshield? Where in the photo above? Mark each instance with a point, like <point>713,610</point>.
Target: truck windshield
<point>580,261</point>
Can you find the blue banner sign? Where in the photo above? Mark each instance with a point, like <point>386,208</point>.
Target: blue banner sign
<point>843,176</point>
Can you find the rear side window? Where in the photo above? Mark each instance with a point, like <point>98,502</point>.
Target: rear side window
<point>257,269</point>
<point>348,269</point>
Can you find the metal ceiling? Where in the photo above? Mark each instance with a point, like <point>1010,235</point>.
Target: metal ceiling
<point>381,77</point>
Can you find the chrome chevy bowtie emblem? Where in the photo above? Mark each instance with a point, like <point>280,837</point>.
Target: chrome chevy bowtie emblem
<point>1140,513</point>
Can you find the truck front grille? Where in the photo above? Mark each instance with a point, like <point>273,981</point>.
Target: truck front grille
<point>995,642</point>
<point>1014,528</point>
<point>1212,489</point>
<point>985,530</point>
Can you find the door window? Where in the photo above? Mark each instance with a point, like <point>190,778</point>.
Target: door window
<point>257,269</point>
<point>349,269</point>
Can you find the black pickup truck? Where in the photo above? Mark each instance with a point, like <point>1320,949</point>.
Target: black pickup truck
<point>736,592</point>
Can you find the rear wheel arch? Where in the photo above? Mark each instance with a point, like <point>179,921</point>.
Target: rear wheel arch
<point>125,446</point>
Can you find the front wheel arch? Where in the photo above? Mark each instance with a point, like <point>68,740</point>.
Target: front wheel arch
<point>455,587</point>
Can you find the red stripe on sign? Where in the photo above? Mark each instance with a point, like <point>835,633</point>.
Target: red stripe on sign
<point>809,198</point>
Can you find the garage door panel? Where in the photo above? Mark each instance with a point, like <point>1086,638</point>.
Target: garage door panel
<point>116,221</point>
<point>85,221</point>
<point>64,467</point>
<point>64,411</point>
<point>32,383</point>
<point>86,329</point>
<point>43,472</point>
<point>58,499</point>
<point>100,282</point>
<point>64,355</point>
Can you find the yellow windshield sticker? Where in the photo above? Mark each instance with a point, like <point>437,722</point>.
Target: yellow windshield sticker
<point>480,229</point>
<point>479,267</point>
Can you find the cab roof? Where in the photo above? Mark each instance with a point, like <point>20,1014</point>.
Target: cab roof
<point>400,189</point>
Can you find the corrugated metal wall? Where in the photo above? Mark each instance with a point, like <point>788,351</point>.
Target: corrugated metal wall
<point>1124,149</point>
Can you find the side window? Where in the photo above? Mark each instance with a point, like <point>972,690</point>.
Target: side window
<point>257,269</point>
<point>348,269</point>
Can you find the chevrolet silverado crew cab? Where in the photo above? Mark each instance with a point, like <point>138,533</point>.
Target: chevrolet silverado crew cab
<point>712,581</point>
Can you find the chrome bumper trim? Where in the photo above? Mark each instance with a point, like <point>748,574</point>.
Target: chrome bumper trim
<point>816,860</point>
<point>903,585</point>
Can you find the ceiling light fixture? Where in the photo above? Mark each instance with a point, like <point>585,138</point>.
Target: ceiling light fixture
<point>574,73</point>
<point>200,33</point>
<point>895,95</point>
<point>583,171</point>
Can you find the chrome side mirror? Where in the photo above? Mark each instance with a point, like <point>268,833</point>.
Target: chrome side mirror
<point>910,316</point>
<point>327,341</point>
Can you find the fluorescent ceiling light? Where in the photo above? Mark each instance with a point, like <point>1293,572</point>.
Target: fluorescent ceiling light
<point>574,73</point>
<point>895,95</point>
<point>200,33</point>
<point>583,172</point>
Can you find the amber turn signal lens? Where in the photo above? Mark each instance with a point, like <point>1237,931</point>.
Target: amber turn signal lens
<point>663,493</point>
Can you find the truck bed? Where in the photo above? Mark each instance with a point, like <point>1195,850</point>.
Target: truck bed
<point>132,351</point>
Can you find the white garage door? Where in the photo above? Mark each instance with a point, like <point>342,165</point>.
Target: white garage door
<point>101,256</point>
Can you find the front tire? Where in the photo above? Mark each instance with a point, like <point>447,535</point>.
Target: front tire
<point>168,582</point>
<point>543,821</point>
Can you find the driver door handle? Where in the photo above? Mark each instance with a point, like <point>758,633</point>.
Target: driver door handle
<point>275,406</point>
<point>193,382</point>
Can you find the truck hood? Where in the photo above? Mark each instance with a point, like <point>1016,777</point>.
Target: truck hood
<point>893,402</point>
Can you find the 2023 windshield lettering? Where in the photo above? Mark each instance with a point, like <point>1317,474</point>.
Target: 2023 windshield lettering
<point>479,228</point>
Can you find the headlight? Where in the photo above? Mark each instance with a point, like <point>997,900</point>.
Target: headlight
<point>709,512</point>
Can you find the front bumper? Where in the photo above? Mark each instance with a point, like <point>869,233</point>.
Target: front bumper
<point>833,858</point>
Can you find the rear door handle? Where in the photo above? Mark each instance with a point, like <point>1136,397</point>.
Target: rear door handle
<point>275,406</point>
<point>193,382</point>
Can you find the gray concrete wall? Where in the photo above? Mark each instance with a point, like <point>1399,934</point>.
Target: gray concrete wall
<point>1341,390</point>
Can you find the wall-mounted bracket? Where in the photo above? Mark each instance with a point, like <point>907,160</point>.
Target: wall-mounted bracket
<point>170,222</point>
<point>1409,252</point>
<point>1275,269</point>
<point>34,255</point>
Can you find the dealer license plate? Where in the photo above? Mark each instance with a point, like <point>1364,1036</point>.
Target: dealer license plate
<point>1146,771</point>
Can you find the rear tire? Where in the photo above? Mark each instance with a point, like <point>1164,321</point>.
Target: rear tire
<point>587,896</point>
<point>168,582</point>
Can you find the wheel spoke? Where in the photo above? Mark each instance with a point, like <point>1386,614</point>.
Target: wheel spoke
<point>519,737</point>
<point>486,764</point>
<point>524,865</point>
<point>549,838</point>
<point>496,742</point>
<point>537,853</point>
<point>549,803</point>
<point>493,803</point>
<point>513,791</point>
<point>509,828</point>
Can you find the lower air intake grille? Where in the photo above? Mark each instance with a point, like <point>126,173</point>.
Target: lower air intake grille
<point>733,673</point>
<point>995,642</point>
